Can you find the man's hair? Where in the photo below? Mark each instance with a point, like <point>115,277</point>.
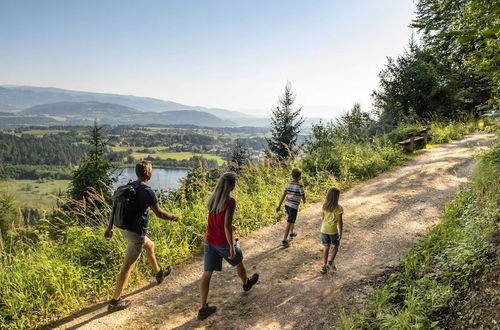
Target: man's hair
<point>296,173</point>
<point>141,168</point>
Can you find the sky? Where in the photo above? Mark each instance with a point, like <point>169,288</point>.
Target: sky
<point>230,54</point>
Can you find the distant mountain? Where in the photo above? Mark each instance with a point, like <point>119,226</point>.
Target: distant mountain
<point>84,113</point>
<point>23,97</point>
<point>81,109</point>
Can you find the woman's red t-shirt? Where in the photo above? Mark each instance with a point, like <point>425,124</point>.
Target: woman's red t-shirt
<point>215,231</point>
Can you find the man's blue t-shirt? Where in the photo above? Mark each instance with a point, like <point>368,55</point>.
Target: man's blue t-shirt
<point>144,199</point>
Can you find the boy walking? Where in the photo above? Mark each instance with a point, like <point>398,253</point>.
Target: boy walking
<point>293,194</point>
<point>136,231</point>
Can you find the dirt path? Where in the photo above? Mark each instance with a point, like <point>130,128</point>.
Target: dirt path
<point>384,217</point>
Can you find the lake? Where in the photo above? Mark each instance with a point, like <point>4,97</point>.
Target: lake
<point>166,179</point>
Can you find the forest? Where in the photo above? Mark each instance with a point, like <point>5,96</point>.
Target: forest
<point>447,80</point>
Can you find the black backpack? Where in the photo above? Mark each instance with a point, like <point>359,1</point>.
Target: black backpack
<point>125,211</point>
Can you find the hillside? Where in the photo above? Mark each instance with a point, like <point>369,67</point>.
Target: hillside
<point>83,113</point>
<point>81,109</point>
<point>23,97</point>
<point>292,294</point>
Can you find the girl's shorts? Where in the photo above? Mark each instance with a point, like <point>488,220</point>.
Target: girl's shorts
<point>327,239</point>
<point>214,254</point>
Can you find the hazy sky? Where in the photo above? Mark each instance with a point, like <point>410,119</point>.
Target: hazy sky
<point>230,54</point>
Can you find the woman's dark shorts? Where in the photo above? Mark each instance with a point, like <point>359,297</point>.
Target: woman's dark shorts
<point>327,239</point>
<point>292,214</point>
<point>214,254</point>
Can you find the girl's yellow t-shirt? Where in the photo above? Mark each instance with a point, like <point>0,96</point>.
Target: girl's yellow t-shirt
<point>330,220</point>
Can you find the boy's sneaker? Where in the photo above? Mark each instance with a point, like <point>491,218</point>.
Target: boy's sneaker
<point>118,305</point>
<point>324,269</point>
<point>206,311</point>
<point>332,264</point>
<point>292,235</point>
<point>160,276</point>
<point>285,243</point>
<point>251,281</point>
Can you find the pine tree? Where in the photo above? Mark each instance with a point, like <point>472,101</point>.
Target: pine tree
<point>239,156</point>
<point>94,172</point>
<point>285,126</point>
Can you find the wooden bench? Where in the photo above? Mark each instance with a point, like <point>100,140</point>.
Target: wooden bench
<point>414,137</point>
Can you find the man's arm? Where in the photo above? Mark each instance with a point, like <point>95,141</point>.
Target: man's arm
<point>108,234</point>
<point>228,229</point>
<point>281,201</point>
<point>340,224</point>
<point>162,214</point>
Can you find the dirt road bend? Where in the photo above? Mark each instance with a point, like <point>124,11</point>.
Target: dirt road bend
<point>384,217</point>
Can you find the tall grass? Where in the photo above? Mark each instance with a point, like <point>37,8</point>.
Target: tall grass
<point>437,273</point>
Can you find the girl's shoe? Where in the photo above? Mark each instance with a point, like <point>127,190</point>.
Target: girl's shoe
<point>331,264</point>
<point>324,269</point>
<point>285,243</point>
<point>292,235</point>
<point>206,311</point>
<point>251,281</point>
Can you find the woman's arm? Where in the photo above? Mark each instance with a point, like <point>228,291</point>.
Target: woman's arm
<point>340,224</point>
<point>228,229</point>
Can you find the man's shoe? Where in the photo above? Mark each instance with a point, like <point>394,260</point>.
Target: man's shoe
<point>292,235</point>
<point>160,276</point>
<point>251,281</point>
<point>324,269</point>
<point>206,311</point>
<point>285,243</point>
<point>118,305</point>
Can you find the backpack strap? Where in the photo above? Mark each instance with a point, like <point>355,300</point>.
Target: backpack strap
<point>140,188</point>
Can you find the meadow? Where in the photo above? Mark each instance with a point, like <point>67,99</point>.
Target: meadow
<point>34,193</point>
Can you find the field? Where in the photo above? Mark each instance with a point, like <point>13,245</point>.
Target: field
<point>34,193</point>
<point>163,154</point>
<point>177,156</point>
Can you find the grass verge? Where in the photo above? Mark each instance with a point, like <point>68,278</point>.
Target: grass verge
<point>441,270</point>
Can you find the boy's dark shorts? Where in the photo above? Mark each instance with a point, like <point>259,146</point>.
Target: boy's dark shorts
<point>214,254</point>
<point>292,214</point>
<point>327,239</point>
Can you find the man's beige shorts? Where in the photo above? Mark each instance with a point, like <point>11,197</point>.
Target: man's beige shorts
<point>135,243</point>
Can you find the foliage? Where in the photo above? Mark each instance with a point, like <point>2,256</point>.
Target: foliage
<point>94,172</point>
<point>464,35</point>
<point>50,149</point>
<point>239,157</point>
<point>285,126</point>
<point>33,172</point>
<point>7,215</point>
<point>427,292</point>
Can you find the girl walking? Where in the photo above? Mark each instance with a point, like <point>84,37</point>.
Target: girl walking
<point>219,242</point>
<point>331,228</point>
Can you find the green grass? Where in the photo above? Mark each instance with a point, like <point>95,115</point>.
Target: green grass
<point>41,132</point>
<point>34,193</point>
<point>177,156</point>
<point>437,274</point>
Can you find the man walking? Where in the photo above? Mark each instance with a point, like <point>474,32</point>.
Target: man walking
<point>136,231</point>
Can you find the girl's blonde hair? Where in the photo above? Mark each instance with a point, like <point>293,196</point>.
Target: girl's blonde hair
<point>332,200</point>
<point>220,195</point>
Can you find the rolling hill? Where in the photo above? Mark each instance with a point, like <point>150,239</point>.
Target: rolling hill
<point>84,113</point>
<point>23,97</point>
